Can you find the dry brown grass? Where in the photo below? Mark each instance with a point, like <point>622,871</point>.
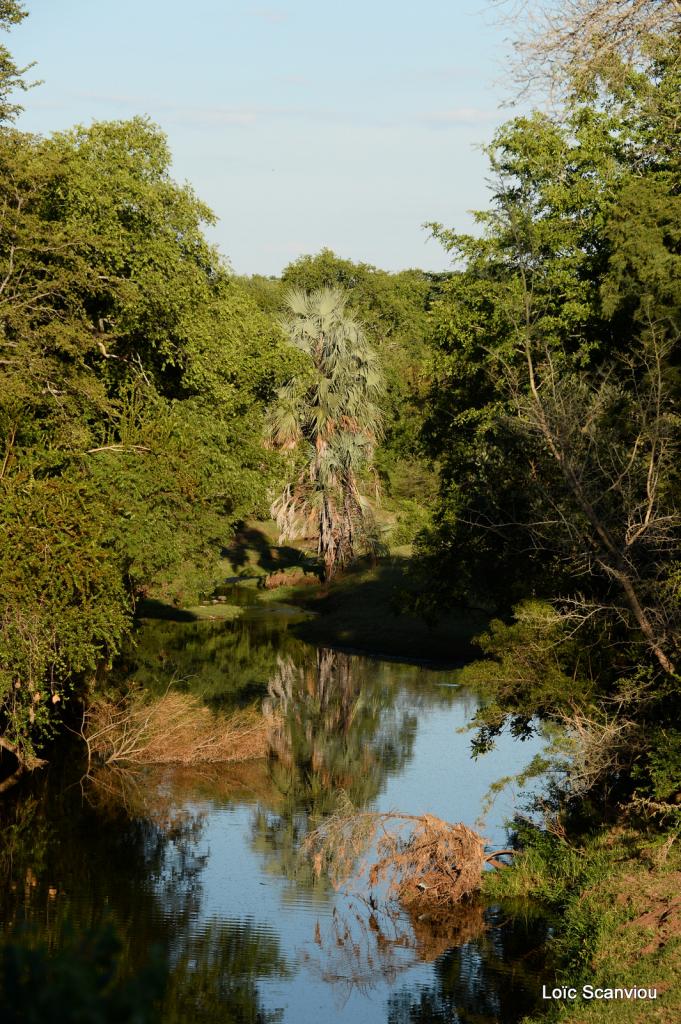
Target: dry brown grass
<point>174,729</point>
<point>421,860</point>
<point>290,579</point>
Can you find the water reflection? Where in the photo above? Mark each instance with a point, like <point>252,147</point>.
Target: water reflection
<point>489,979</point>
<point>335,731</point>
<point>364,945</point>
<point>215,976</point>
<point>203,865</point>
<point>224,664</point>
<point>66,867</point>
<point>338,730</point>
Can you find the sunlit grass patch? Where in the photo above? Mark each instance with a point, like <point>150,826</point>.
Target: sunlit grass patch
<point>618,896</point>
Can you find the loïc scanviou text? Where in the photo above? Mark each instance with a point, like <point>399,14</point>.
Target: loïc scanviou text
<point>594,992</point>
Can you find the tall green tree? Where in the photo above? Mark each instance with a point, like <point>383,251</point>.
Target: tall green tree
<point>555,414</point>
<point>11,75</point>
<point>393,307</point>
<point>329,415</point>
<point>134,372</point>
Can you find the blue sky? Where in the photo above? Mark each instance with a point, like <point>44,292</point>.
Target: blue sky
<point>301,124</point>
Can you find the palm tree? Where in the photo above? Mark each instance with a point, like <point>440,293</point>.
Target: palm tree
<point>328,415</point>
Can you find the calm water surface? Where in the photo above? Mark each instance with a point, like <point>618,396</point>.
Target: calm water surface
<point>204,865</point>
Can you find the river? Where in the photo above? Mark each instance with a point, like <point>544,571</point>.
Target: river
<point>203,867</point>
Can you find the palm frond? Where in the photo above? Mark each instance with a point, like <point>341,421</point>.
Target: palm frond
<point>336,413</point>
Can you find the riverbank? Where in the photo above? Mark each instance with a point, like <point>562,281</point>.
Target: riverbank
<point>617,897</point>
<point>364,610</point>
<point>614,897</point>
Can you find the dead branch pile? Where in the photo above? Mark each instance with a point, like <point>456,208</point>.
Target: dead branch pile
<point>174,729</point>
<point>420,859</point>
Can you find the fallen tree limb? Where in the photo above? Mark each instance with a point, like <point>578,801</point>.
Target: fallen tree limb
<point>420,859</point>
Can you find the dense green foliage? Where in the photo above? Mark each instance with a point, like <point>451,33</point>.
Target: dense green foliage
<point>555,417</point>
<point>135,371</point>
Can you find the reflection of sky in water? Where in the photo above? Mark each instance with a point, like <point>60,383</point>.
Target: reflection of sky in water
<point>439,778</point>
<point>443,779</point>
<point>250,937</point>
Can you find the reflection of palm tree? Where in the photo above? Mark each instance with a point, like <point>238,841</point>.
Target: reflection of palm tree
<point>321,737</point>
<point>336,729</point>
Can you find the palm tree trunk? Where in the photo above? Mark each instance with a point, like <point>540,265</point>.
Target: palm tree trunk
<point>327,546</point>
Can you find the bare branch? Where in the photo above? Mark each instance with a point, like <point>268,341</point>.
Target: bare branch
<point>568,44</point>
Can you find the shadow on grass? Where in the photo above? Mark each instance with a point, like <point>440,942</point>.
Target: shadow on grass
<point>252,546</point>
<point>363,610</point>
<point>150,608</point>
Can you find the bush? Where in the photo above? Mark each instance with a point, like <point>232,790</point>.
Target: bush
<point>82,983</point>
<point>411,520</point>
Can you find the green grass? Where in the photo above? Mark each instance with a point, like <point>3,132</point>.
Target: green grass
<point>619,908</point>
<point>221,612</point>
